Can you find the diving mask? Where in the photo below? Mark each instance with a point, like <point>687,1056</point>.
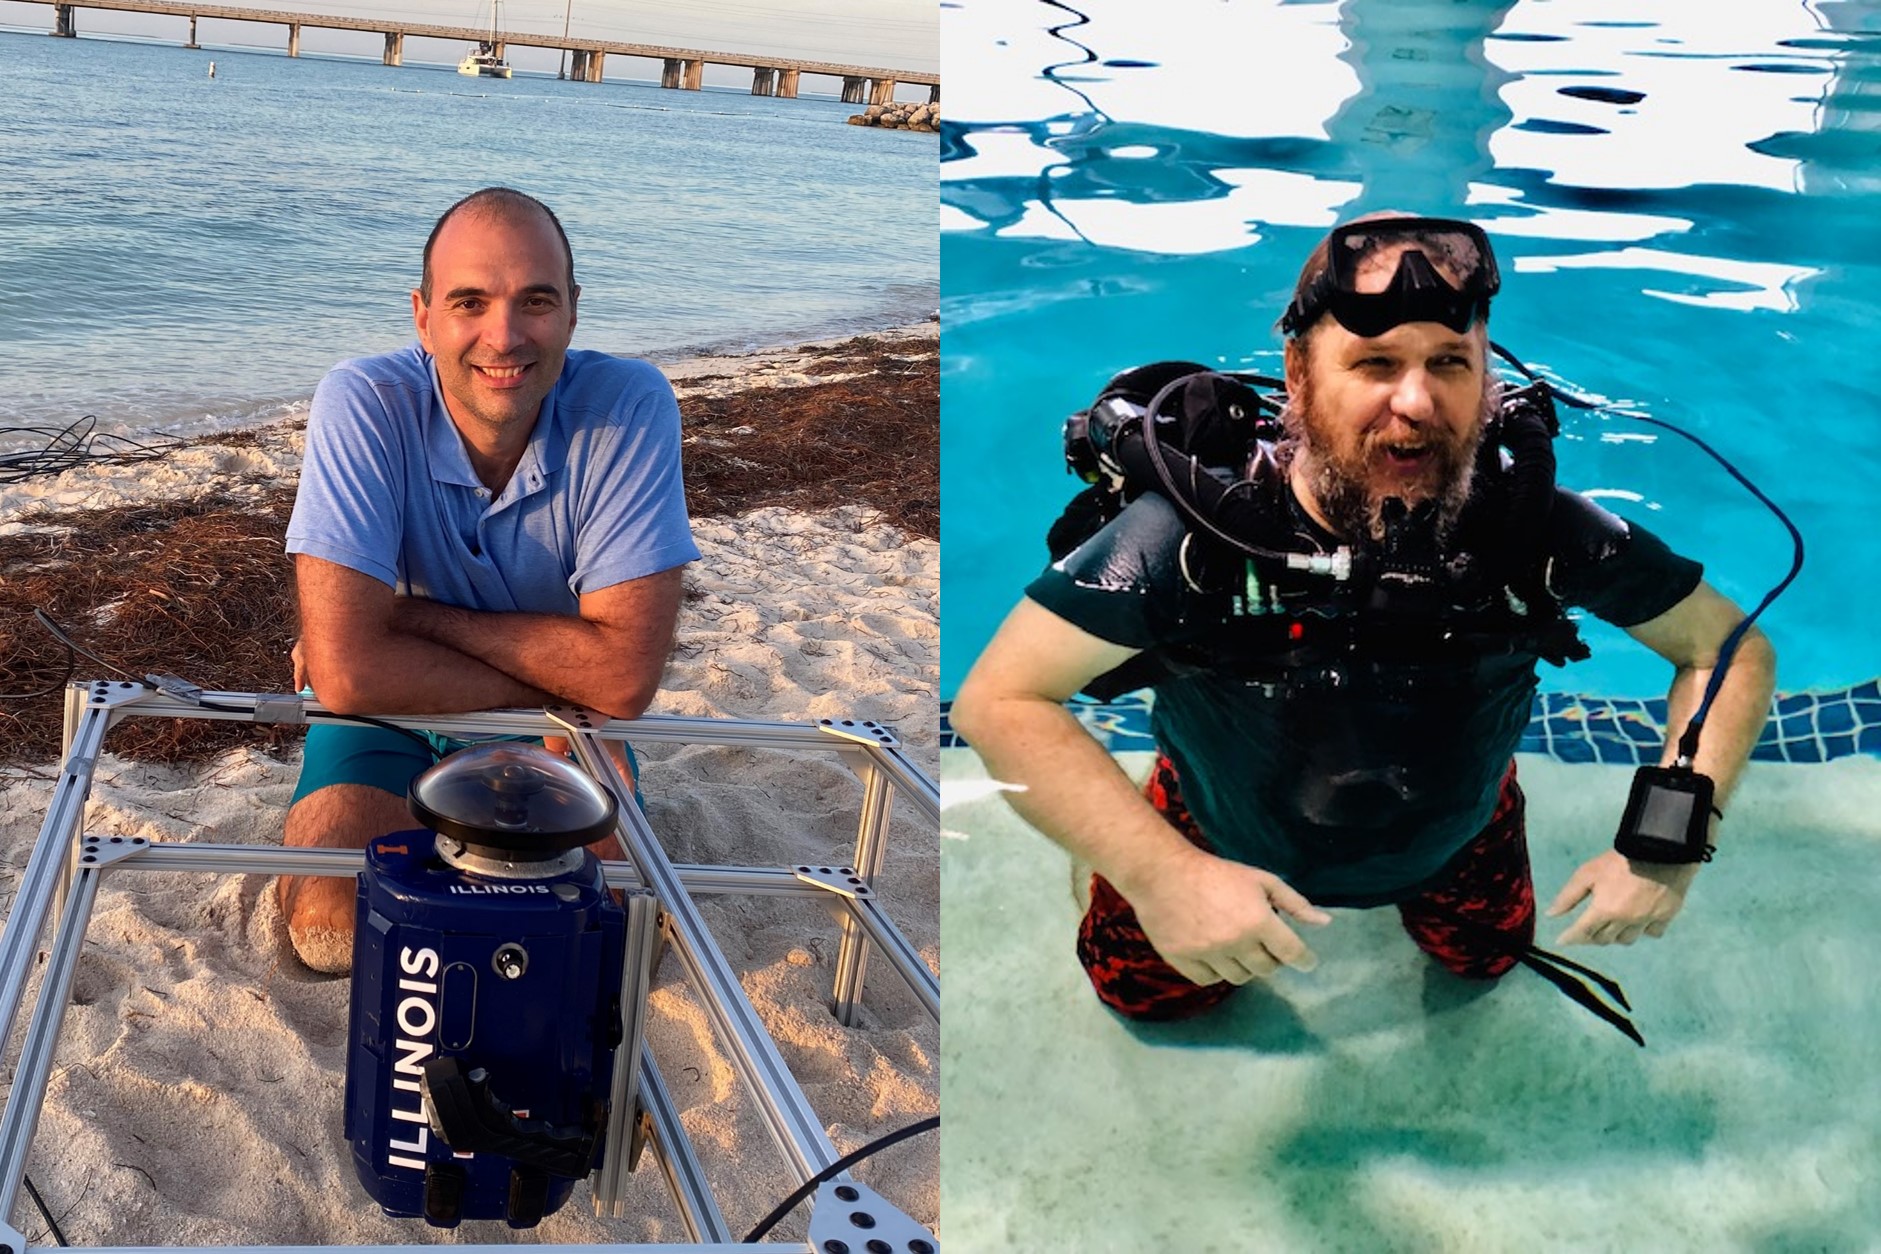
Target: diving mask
<point>1446,273</point>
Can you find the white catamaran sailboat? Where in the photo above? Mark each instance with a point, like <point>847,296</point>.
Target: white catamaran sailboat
<point>484,62</point>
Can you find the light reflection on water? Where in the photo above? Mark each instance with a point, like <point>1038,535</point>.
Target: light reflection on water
<point>1683,205</point>
<point>1687,229</point>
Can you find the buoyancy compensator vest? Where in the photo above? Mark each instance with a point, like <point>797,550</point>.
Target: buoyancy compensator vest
<point>1267,597</point>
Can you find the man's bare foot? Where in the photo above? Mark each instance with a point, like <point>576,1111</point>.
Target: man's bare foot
<point>319,908</point>
<point>319,912</point>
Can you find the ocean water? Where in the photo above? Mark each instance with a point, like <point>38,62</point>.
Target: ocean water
<point>183,252</point>
<point>1683,198</point>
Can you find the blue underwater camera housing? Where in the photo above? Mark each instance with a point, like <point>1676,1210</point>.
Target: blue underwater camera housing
<point>488,963</point>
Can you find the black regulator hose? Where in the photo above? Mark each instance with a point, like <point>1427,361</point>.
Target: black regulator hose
<point>1688,741</point>
<point>1526,426</point>
<point>1210,504</point>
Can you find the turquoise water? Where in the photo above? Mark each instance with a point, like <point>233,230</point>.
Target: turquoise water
<point>1683,199</point>
<point>181,251</point>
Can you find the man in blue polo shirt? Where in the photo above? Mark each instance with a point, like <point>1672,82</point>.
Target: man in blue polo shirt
<point>485,519</point>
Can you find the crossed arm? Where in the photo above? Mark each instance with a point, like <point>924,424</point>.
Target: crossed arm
<point>366,650</point>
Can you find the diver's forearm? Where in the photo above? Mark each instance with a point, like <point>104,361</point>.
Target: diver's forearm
<point>1736,718</point>
<point>1073,791</point>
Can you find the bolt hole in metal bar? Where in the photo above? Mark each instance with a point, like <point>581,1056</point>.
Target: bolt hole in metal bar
<point>65,868</point>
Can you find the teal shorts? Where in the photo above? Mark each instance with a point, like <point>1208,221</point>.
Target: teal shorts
<point>353,753</point>
<point>356,754</point>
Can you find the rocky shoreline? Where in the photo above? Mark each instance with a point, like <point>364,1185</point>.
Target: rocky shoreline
<point>900,117</point>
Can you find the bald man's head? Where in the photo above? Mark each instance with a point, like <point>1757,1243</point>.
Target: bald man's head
<point>503,203</point>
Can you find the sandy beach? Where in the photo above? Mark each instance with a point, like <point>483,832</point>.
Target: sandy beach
<point>196,1094</point>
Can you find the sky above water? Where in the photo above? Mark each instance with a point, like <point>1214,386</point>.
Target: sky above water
<point>892,34</point>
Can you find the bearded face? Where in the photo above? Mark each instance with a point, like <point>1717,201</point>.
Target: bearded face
<point>1396,416</point>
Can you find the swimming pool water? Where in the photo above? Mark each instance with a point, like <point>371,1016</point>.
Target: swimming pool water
<point>1682,198</point>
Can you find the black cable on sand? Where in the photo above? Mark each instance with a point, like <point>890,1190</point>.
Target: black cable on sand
<point>79,443</point>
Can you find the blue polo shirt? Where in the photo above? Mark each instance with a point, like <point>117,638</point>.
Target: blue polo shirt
<point>387,488</point>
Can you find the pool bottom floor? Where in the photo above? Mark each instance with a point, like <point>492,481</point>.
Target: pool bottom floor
<point>1380,1104</point>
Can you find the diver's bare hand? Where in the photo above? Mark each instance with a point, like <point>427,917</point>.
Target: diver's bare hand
<point>300,666</point>
<point>1215,920</point>
<point>1628,899</point>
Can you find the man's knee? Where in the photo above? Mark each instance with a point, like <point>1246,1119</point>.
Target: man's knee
<point>345,816</point>
<point>1127,973</point>
<point>1484,943</point>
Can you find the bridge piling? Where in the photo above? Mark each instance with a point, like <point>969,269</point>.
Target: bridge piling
<point>933,94</point>
<point>682,69</point>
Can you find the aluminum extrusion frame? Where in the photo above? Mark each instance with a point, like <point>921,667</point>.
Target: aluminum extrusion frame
<point>61,879</point>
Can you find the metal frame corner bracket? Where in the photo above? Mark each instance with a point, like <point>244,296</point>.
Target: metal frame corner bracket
<point>838,879</point>
<point>851,1216</point>
<point>864,731</point>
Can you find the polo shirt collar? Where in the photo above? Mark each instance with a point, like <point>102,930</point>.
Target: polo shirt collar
<point>450,461</point>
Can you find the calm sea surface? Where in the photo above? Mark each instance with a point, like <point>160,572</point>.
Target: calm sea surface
<point>180,252</point>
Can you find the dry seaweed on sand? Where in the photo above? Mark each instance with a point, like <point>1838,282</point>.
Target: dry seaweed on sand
<point>871,438</point>
<point>187,587</point>
<point>200,590</point>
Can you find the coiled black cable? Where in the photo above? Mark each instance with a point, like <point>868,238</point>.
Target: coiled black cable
<point>1688,740</point>
<point>78,443</point>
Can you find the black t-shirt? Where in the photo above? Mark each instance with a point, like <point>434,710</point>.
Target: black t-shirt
<point>1357,792</point>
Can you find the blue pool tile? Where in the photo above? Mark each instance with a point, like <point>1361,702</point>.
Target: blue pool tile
<point>1795,703</point>
<point>1835,716</point>
<point>1804,751</point>
<point>1573,727</point>
<point>1574,751</point>
<point>1615,752</point>
<point>1640,732</point>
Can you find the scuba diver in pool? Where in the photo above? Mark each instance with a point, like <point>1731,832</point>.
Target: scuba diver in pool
<point>1341,627</point>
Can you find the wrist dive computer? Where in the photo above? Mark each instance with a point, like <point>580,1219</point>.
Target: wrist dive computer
<point>1668,816</point>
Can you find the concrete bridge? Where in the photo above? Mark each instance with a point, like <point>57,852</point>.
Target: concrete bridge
<point>681,68</point>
